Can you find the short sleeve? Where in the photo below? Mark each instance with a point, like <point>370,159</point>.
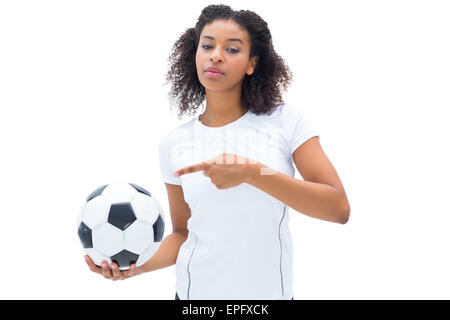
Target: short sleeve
<point>165,163</point>
<point>301,129</point>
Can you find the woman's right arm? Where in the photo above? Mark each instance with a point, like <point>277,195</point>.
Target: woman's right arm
<point>180,213</point>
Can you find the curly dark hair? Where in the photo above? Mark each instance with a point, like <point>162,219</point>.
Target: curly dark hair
<point>260,91</point>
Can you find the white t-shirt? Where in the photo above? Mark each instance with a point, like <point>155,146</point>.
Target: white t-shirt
<point>239,244</point>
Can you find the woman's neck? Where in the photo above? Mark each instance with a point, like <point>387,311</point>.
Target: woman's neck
<point>214,118</point>
<point>222,108</point>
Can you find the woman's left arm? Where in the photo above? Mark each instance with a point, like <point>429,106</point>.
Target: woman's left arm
<point>320,195</point>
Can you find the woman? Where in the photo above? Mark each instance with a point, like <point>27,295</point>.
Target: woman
<point>229,171</point>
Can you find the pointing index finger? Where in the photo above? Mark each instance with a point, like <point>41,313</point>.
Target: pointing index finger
<point>191,169</point>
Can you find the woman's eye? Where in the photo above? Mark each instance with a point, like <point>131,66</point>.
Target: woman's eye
<point>232,50</point>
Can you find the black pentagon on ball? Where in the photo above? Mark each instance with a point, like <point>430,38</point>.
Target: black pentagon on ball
<point>121,215</point>
<point>85,234</point>
<point>140,189</point>
<point>124,258</point>
<point>96,192</point>
<point>158,229</point>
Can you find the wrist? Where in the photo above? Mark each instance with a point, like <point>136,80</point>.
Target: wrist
<point>256,170</point>
<point>251,172</point>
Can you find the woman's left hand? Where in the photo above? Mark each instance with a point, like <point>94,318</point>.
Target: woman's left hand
<point>225,170</point>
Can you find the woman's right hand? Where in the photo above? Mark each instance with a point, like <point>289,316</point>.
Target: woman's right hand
<point>112,272</point>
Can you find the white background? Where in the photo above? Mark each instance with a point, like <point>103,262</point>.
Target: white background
<point>83,103</point>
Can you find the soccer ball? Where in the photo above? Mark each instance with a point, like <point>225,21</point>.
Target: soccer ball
<point>121,223</point>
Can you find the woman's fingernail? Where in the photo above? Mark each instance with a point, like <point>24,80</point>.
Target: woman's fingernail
<point>176,174</point>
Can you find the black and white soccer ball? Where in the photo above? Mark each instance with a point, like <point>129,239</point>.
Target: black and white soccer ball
<point>121,223</point>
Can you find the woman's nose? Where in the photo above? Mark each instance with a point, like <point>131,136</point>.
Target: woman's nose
<point>216,57</point>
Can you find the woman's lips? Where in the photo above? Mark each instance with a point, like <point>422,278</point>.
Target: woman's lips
<point>213,74</point>
<point>213,69</point>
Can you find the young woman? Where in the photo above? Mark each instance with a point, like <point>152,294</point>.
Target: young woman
<point>229,171</point>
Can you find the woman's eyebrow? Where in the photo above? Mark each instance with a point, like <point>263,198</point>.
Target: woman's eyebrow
<point>231,39</point>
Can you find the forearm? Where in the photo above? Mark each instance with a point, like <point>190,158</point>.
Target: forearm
<point>167,253</point>
<point>316,200</point>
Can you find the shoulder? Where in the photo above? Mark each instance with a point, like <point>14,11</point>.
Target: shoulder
<point>175,134</point>
<point>285,115</point>
<point>291,112</point>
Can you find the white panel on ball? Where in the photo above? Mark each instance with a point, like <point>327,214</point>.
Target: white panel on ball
<point>107,239</point>
<point>96,212</point>
<point>158,205</point>
<point>138,236</point>
<point>119,192</point>
<point>144,208</point>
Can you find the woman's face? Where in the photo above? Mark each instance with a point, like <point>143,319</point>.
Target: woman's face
<point>215,49</point>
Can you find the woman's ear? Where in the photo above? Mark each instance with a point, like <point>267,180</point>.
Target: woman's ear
<point>252,65</point>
